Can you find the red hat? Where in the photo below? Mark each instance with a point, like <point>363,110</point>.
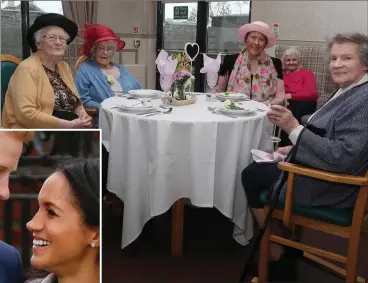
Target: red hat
<point>94,33</point>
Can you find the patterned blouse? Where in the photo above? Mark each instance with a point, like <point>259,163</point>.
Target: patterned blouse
<point>65,100</point>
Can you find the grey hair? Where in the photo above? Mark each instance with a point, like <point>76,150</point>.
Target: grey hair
<point>292,51</point>
<point>355,37</point>
<point>38,35</point>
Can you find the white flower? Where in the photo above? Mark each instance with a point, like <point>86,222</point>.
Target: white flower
<point>110,80</point>
<point>227,102</point>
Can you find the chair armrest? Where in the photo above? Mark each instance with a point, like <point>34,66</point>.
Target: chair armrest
<point>294,169</point>
<point>91,111</point>
<point>323,175</point>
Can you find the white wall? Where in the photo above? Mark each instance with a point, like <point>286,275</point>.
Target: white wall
<point>312,20</point>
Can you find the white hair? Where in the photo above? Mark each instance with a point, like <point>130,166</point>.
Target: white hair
<point>38,35</point>
<point>292,51</point>
<point>358,38</point>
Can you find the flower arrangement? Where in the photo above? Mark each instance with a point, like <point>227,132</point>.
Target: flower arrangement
<point>183,77</point>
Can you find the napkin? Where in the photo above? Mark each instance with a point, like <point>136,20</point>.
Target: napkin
<point>211,65</point>
<point>165,64</point>
<point>265,157</point>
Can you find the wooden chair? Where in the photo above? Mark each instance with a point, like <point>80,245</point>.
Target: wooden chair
<point>8,65</point>
<point>90,111</point>
<point>343,223</point>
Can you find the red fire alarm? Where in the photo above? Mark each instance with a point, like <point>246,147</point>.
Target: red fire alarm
<point>135,30</point>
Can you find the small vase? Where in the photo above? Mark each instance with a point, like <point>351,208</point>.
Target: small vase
<point>180,92</point>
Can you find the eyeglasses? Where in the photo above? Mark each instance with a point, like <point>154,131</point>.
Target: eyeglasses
<point>53,38</point>
<point>108,50</point>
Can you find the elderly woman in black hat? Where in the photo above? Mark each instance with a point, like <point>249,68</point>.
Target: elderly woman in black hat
<point>41,92</point>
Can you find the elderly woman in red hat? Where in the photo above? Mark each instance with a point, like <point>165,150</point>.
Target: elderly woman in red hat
<point>253,71</point>
<point>41,92</point>
<point>98,77</point>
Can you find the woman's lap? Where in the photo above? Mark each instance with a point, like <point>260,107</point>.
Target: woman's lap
<point>257,178</point>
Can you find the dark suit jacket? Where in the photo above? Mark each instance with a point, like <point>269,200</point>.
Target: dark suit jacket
<point>229,62</point>
<point>10,264</point>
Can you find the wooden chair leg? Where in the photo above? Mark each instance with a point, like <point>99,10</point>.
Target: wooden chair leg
<point>177,223</point>
<point>264,253</point>
<point>352,258</point>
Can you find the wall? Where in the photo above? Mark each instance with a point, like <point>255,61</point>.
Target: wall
<point>301,22</point>
<point>312,21</point>
<point>122,17</point>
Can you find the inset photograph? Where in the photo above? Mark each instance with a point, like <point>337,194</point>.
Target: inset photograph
<point>50,206</point>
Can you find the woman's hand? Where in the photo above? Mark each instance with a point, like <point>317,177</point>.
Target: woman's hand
<point>82,113</point>
<point>283,118</point>
<point>284,150</point>
<point>87,121</point>
<point>75,124</point>
<point>85,118</point>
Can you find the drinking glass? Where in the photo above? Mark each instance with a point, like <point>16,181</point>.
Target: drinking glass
<point>166,82</point>
<point>274,138</point>
<point>212,82</point>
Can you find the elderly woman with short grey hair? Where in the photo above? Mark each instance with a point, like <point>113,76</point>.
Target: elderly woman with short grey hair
<point>335,139</point>
<point>98,78</point>
<point>300,87</point>
<point>41,92</point>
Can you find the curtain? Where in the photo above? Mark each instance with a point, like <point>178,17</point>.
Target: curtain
<point>81,12</point>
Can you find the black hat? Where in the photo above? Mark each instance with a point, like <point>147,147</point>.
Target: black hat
<point>51,19</point>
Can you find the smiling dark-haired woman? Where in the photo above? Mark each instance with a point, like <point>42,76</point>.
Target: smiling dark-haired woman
<point>66,237</point>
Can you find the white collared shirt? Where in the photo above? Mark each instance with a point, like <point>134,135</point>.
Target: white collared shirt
<point>293,136</point>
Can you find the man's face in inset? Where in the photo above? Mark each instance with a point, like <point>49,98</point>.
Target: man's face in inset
<point>10,151</point>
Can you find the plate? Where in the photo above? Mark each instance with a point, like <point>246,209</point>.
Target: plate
<point>136,108</point>
<point>246,110</point>
<point>232,95</point>
<point>145,93</point>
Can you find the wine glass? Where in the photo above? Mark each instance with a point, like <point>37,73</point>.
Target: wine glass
<point>212,82</point>
<point>165,82</point>
<point>274,138</point>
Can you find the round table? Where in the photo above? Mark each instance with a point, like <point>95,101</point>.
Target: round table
<point>190,153</point>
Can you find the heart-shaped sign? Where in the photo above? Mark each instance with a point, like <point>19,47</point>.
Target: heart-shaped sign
<point>191,50</point>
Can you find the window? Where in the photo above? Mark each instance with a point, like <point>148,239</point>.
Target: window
<point>11,29</point>
<point>179,32</point>
<point>11,22</point>
<point>37,8</point>
<point>217,23</point>
<point>224,20</point>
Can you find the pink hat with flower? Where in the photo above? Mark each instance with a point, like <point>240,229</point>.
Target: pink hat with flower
<point>260,27</point>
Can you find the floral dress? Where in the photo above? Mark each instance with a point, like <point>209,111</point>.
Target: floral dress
<point>260,85</point>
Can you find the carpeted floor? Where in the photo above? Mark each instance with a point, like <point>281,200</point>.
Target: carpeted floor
<point>210,253</point>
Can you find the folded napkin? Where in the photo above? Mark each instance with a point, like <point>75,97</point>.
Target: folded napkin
<point>265,157</point>
<point>165,64</point>
<point>211,65</point>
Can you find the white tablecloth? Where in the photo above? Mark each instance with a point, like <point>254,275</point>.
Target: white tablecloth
<point>190,153</point>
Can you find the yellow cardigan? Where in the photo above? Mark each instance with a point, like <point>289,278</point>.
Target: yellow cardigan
<point>30,98</point>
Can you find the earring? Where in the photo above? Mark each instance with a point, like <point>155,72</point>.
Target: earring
<point>93,245</point>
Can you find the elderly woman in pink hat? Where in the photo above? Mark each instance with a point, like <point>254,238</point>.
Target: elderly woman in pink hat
<point>253,71</point>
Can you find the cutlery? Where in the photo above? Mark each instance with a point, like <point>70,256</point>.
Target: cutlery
<point>148,112</point>
<point>166,111</point>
